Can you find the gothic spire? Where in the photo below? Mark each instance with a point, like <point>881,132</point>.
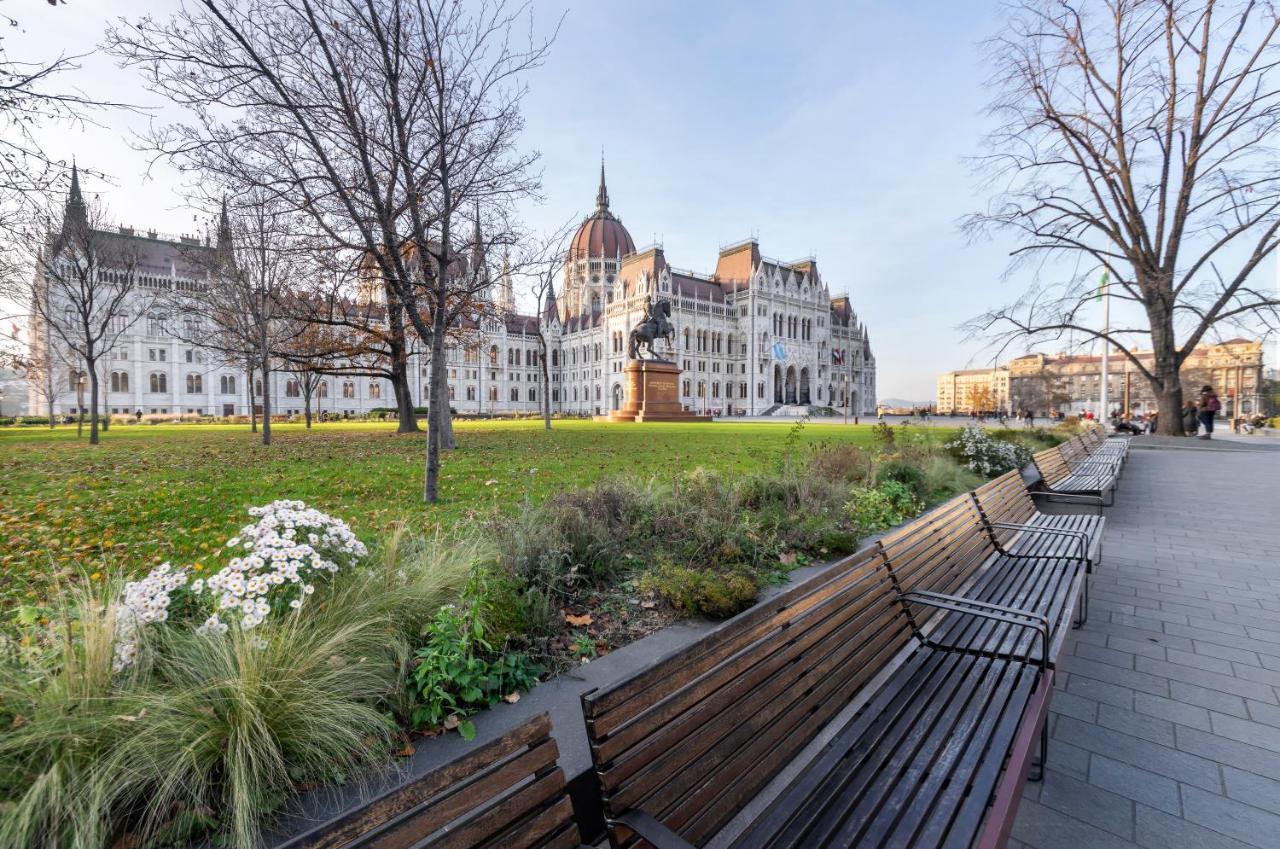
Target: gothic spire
<point>602,194</point>
<point>224,228</point>
<point>75,212</point>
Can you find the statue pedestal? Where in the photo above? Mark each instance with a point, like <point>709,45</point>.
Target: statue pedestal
<point>652,395</point>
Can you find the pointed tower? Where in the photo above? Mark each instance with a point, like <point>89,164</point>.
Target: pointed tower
<point>506,293</point>
<point>550,310</point>
<point>477,250</point>
<point>76,213</point>
<point>224,245</point>
<point>602,193</point>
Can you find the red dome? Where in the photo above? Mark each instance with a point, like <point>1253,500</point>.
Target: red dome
<point>602,235</point>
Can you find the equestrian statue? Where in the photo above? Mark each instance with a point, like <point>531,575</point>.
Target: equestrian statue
<point>653,326</point>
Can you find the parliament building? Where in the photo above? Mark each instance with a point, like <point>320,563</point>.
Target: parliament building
<point>754,336</point>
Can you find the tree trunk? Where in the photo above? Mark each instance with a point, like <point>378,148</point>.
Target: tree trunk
<point>93,404</point>
<point>253,407</point>
<point>546,384</point>
<point>407,421</point>
<point>265,368</point>
<point>306,408</point>
<point>438,402</point>
<point>1167,384</point>
<point>441,378</point>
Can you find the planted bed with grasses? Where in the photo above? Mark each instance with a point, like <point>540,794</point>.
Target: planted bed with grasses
<point>286,618</point>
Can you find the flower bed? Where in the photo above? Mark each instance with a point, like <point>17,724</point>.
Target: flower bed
<point>181,706</point>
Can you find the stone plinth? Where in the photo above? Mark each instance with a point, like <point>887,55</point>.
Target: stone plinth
<point>652,395</point>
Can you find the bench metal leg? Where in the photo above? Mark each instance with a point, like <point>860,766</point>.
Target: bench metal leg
<point>1082,613</point>
<point>1037,765</point>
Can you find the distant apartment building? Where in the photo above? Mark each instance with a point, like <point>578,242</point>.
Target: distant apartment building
<point>1048,383</point>
<point>973,390</point>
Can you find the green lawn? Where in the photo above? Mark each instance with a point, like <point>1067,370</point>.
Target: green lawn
<point>177,492</point>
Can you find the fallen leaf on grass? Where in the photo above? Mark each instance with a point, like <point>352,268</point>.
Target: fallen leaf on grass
<point>511,698</point>
<point>578,621</point>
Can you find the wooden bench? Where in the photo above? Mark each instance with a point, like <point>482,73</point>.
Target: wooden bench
<point>506,794</point>
<point>1019,528</point>
<point>926,744</point>
<point>954,551</point>
<point>1090,485</point>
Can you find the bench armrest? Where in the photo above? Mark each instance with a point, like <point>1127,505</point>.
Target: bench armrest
<point>986,610</point>
<point>653,831</point>
<point>1080,536</point>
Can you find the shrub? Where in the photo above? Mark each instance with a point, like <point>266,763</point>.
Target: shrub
<point>980,453</point>
<point>457,672</point>
<point>841,462</point>
<point>706,592</point>
<point>33,420</point>
<point>883,436</point>
<point>5,421</point>
<point>944,478</point>
<point>901,471</point>
<point>879,508</point>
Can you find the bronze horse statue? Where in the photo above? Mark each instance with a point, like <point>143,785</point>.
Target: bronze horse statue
<point>654,326</point>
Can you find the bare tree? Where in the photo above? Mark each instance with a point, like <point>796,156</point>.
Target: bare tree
<point>1137,138</point>
<point>238,313</point>
<point>539,263</point>
<point>386,122</point>
<point>40,366</point>
<point>32,98</point>
<point>368,330</point>
<point>86,292</point>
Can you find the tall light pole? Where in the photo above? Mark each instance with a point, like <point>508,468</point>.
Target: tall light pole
<point>1104,292</point>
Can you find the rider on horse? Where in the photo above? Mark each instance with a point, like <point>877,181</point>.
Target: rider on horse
<point>653,326</point>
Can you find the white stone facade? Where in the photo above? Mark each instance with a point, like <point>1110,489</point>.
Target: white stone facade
<point>756,337</point>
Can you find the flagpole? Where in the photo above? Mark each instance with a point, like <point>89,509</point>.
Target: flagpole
<point>1106,348</point>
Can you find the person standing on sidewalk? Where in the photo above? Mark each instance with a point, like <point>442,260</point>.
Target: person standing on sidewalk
<point>1208,408</point>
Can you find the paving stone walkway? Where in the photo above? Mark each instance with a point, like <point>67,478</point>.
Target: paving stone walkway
<point>1165,729</point>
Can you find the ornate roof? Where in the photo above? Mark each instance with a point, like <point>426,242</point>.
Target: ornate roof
<point>601,235</point>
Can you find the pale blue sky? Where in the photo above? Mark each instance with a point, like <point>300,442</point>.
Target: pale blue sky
<point>829,128</point>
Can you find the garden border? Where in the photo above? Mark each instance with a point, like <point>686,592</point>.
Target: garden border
<point>559,696</point>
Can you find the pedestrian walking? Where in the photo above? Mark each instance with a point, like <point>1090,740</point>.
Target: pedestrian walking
<point>1208,409</point>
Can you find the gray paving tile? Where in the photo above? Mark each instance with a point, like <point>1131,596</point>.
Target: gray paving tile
<point>1137,724</point>
<point>1235,819</point>
<point>1094,805</point>
<point>1253,733</point>
<point>1174,711</point>
<point>1045,828</point>
<point>1184,766</point>
<point>1223,750</point>
<point>1252,789</point>
<point>1134,783</point>
<point>1158,830</point>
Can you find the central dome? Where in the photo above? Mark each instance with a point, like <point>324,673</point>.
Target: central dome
<point>601,236</point>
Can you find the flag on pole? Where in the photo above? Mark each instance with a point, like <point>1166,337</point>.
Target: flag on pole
<point>837,357</point>
<point>779,352</point>
<point>1102,284</point>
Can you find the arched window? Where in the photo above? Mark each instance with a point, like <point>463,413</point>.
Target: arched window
<point>450,393</point>
<point>292,389</point>
<point>159,381</point>
<point>257,388</point>
<point>686,338</point>
<point>195,384</point>
<point>119,381</point>
<point>533,395</point>
<point>515,394</point>
<point>227,383</point>
<point>493,393</point>
<point>597,393</point>
<point>471,393</point>
<point>375,389</point>
<point>348,389</point>
<point>555,357</point>
<point>322,391</point>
